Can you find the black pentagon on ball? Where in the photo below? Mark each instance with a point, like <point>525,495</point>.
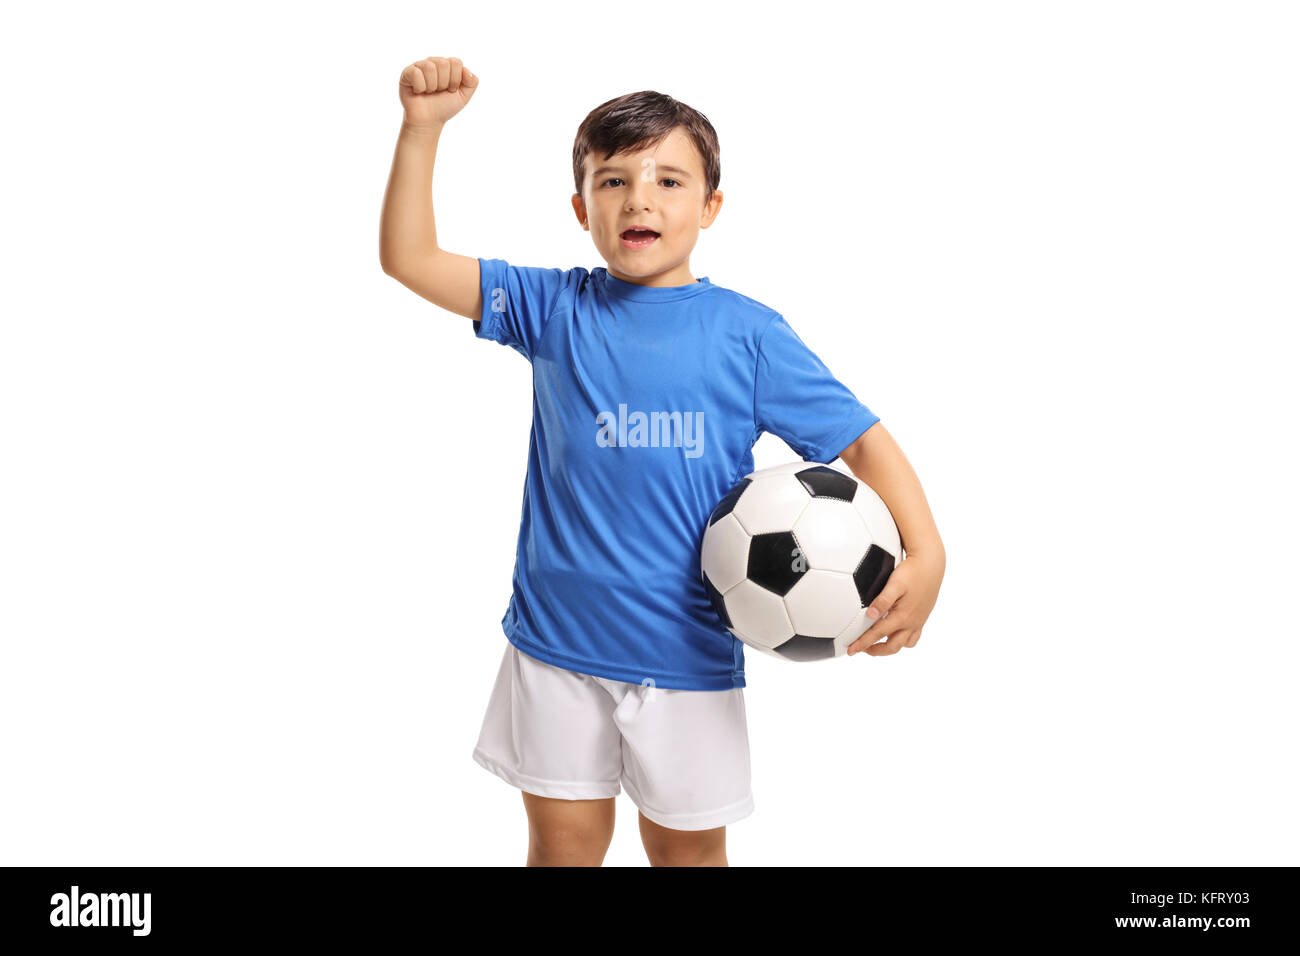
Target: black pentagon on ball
<point>824,482</point>
<point>872,573</point>
<point>800,648</point>
<point>775,561</point>
<point>715,598</point>
<point>729,500</point>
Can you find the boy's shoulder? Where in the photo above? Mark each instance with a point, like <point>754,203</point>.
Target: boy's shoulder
<point>759,309</point>
<point>758,315</point>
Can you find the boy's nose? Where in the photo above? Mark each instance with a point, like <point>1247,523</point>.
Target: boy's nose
<point>639,196</point>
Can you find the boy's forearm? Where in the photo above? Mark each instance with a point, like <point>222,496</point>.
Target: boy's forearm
<point>877,460</point>
<point>406,226</point>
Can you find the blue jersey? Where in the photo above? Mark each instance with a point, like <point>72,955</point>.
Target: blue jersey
<point>647,402</point>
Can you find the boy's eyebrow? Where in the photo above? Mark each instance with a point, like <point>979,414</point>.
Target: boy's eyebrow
<point>618,169</point>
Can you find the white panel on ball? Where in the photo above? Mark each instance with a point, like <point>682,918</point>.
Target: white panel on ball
<point>822,603</point>
<point>832,534</point>
<point>726,558</point>
<point>771,503</point>
<point>758,614</point>
<point>879,522</point>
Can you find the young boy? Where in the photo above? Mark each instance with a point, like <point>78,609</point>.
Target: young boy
<point>617,672</point>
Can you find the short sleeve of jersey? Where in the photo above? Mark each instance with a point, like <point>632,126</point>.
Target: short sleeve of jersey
<point>517,301</point>
<point>797,398</point>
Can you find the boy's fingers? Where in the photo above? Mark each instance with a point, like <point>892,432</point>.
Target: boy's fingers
<point>430,70</point>
<point>864,639</point>
<point>429,75</point>
<point>413,77</point>
<point>860,645</point>
<point>435,74</point>
<point>891,646</point>
<point>891,623</point>
<point>889,596</point>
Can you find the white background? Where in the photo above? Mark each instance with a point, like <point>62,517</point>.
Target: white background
<point>260,501</point>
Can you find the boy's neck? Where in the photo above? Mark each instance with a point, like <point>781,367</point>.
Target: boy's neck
<point>678,276</point>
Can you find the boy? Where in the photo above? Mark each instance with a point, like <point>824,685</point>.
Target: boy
<point>616,669</point>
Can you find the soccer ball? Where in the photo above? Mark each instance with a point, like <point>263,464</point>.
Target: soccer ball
<point>792,556</point>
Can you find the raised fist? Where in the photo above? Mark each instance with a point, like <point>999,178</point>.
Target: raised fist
<point>435,89</point>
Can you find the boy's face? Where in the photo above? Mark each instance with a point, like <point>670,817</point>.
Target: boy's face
<point>660,188</point>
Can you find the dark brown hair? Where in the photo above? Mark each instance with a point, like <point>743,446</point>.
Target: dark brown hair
<point>636,121</point>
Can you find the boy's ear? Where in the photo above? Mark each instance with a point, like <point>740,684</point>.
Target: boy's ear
<point>711,209</point>
<point>580,210</point>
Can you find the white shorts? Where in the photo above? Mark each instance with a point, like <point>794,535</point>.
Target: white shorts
<point>683,755</point>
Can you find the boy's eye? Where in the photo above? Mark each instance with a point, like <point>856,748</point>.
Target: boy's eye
<point>615,179</point>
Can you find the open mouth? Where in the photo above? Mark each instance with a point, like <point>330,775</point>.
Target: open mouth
<point>638,238</point>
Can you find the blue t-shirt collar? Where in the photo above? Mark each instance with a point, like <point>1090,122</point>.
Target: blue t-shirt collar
<point>649,293</point>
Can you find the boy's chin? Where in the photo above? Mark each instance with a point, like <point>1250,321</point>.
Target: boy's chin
<point>632,264</point>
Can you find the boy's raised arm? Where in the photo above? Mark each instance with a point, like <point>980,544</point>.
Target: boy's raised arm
<point>432,91</point>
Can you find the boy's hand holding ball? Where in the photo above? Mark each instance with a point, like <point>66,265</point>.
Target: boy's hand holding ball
<point>902,608</point>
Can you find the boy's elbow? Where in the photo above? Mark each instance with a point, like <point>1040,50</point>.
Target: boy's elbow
<point>394,267</point>
<point>388,262</point>
<point>874,433</point>
<point>403,264</point>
